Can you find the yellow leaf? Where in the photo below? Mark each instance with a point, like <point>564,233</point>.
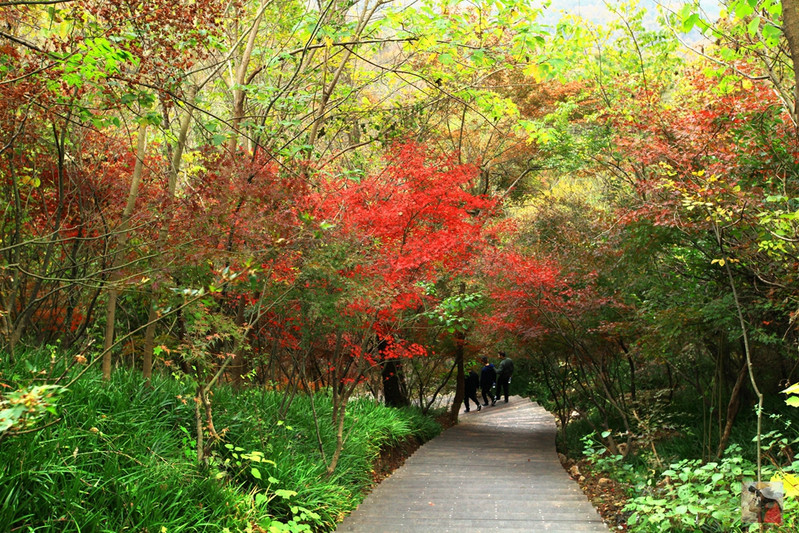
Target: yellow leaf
<point>426,42</point>
<point>27,180</point>
<point>746,84</point>
<point>532,70</point>
<point>793,389</point>
<point>790,483</point>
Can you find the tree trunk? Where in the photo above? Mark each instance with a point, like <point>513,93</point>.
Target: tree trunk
<point>392,391</point>
<point>732,410</point>
<point>122,240</point>
<point>631,362</point>
<point>239,82</point>
<point>460,387</point>
<point>327,88</point>
<point>149,336</point>
<point>790,26</point>
<point>238,367</point>
<point>33,300</point>
<point>172,183</point>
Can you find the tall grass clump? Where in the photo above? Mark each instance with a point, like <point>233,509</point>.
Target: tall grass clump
<point>121,456</point>
<point>114,462</point>
<point>294,446</point>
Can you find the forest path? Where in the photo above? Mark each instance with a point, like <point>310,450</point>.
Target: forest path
<point>497,470</point>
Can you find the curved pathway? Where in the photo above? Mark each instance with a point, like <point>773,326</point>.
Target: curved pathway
<point>497,470</point>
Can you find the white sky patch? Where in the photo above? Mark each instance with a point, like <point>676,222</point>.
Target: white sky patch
<point>597,11</point>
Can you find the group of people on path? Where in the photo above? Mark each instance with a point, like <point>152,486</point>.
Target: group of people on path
<point>488,377</point>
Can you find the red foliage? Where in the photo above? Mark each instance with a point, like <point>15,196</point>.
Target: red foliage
<point>525,292</point>
<point>234,206</point>
<point>695,149</point>
<point>412,222</point>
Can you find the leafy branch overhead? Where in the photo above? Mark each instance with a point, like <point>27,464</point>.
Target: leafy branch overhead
<point>348,200</point>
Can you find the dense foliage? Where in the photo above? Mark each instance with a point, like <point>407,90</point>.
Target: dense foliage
<point>122,456</point>
<point>358,198</point>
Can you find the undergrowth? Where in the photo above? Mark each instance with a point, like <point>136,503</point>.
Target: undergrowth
<point>120,456</point>
<point>672,478</point>
<point>693,494</point>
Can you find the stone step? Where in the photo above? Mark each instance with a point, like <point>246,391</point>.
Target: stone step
<point>496,471</point>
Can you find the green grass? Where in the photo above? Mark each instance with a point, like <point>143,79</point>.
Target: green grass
<point>121,459</point>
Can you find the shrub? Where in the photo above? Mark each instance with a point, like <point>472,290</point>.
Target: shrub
<point>692,496</point>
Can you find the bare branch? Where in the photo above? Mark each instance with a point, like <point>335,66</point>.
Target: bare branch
<point>33,3</point>
<point>26,44</point>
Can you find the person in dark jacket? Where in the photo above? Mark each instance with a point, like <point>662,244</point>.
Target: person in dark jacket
<point>488,376</point>
<point>504,372</point>
<point>472,382</point>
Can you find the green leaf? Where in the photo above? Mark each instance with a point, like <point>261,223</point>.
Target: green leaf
<point>255,473</point>
<point>689,22</point>
<point>773,8</point>
<point>743,9</point>
<point>771,34</point>
<point>753,26</point>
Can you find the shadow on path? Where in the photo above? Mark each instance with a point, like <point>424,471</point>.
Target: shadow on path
<point>497,470</point>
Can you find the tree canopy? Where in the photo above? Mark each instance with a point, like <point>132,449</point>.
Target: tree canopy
<point>363,195</point>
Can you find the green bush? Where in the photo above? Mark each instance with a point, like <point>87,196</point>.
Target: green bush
<point>692,496</point>
<point>122,457</point>
<point>695,495</point>
<point>291,449</point>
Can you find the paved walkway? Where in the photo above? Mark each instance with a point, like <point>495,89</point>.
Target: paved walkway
<point>497,470</point>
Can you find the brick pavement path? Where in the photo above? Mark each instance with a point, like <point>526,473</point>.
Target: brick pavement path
<point>497,470</point>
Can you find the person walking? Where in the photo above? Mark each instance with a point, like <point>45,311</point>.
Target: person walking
<point>504,372</point>
<point>488,377</point>
<point>472,380</point>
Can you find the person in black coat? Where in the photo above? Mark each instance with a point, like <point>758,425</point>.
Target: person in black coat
<point>504,372</point>
<point>472,382</point>
<point>488,376</point>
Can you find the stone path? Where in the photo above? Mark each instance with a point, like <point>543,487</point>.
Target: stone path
<point>497,470</point>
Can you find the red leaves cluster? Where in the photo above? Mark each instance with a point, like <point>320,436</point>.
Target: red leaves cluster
<point>234,205</point>
<point>167,37</point>
<point>694,149</point>
<point>526,293</point>
<point>411,222</point>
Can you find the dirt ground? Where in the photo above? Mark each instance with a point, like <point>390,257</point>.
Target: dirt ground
<point>608,496</point>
